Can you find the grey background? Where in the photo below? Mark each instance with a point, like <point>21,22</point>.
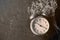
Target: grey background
<point>14,21</point>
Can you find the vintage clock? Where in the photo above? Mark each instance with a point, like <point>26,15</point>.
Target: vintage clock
<point>39,25</point>
<point>42,17</point>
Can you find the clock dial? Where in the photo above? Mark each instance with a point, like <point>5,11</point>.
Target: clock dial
<point>39,25</point>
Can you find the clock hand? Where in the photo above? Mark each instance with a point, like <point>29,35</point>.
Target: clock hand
<point>41,26</point>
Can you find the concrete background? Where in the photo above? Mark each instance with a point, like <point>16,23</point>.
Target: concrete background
<point>14,20</point>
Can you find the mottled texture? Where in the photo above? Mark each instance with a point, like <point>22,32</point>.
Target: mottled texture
<point>42,7</point>
<point>14,20</point>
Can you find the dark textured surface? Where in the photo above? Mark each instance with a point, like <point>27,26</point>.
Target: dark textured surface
<point>14,20</point>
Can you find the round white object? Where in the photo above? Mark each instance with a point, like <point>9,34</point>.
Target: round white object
<point>39,26</point>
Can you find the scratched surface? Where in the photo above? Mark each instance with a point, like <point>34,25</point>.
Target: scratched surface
<point>14,20</point>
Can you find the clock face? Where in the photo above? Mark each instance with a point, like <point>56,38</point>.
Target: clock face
<point>39,25</point>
